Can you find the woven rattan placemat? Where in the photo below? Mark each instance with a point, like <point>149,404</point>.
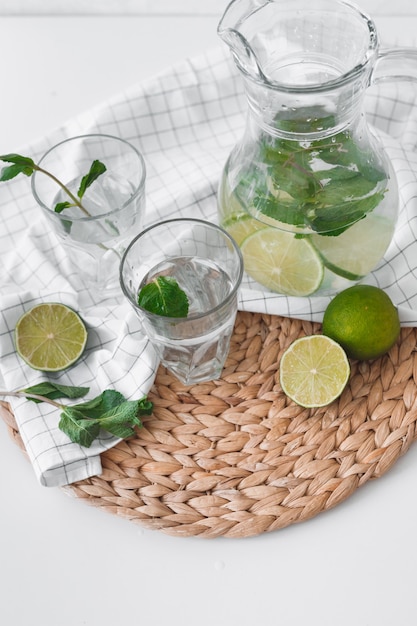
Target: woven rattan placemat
<point>236,458</point>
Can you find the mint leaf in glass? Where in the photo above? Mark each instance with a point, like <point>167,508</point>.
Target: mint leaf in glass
<point>25,165</point>
<point>97,169</point>
<point>58,208</point>
<point>163,296</point>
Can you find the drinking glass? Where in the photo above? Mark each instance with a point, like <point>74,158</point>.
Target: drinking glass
<point>94,236</point>
<point>207,265</point>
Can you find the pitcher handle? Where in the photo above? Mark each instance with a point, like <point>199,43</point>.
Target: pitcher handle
<point>395,64</point>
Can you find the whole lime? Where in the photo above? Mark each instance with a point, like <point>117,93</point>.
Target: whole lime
<point>363,320</point>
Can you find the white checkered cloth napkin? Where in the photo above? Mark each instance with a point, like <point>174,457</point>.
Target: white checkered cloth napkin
<point>185,122</point>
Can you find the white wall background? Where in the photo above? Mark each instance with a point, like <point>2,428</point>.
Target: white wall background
<point>111,7</point>
<point>166,7</point>
<point>50,42</point>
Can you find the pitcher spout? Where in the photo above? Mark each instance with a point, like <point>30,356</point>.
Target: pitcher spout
<point>233,31</point>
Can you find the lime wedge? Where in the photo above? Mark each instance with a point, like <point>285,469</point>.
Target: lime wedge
<point>355,252</point>
<point>50,337</point>
<point>314,371</point>
<point>281,262</point>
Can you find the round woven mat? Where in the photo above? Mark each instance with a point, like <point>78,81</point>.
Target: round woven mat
<point>236,458</point>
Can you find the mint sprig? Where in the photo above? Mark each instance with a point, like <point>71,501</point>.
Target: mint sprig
<point>110,411</point>
<point>25,165</point>
<point>163,296</point>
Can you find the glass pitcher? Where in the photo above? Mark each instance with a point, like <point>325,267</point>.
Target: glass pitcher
<point>308,192</point>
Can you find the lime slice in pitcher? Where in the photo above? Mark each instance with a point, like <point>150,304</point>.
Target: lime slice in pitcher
<point>50,337</point>
<point>282,262</point>
<point>355,252</point>
<point>241,226</point>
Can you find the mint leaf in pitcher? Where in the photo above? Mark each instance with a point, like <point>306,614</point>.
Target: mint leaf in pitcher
<point>325,184</point>
<point>163,296</point>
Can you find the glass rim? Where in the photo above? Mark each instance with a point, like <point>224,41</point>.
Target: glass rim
<point>196,316</point>
<point>90,218</point>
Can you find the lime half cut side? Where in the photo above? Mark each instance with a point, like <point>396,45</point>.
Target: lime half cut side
<point>354,253</point>
<point>282,262</point>
<point>50,337</point>
<point>314,371</point>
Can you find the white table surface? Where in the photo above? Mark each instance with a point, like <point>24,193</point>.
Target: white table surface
<point>63,563</point>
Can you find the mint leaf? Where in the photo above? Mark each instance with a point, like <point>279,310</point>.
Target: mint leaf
<point>20,165</point>
<point>163,296</point>
<point>54,391</point>
<point>60,206</point>
<point>145,406</point>
<point>7,173</point>
<point>102,404</point>
<point>328,222</point>
<point>290,212</point>
<point>120,420</point>
<point>324,184</point>
<point>313,120</point>
<point>109,411</point>
<point>97,169</point>
<point>18,159</point>
<point>79,429</point>
<point>337,173</point>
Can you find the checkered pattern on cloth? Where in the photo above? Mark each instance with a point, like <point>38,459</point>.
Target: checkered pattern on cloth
<point>185,122</point>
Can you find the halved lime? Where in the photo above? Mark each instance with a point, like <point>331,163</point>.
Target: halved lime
<point>354,253</point>
<point>314,371</point>
<point>282,262</point>
<point>50,337</point>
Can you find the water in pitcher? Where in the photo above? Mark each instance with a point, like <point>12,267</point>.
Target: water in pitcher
<point>330,202</point>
